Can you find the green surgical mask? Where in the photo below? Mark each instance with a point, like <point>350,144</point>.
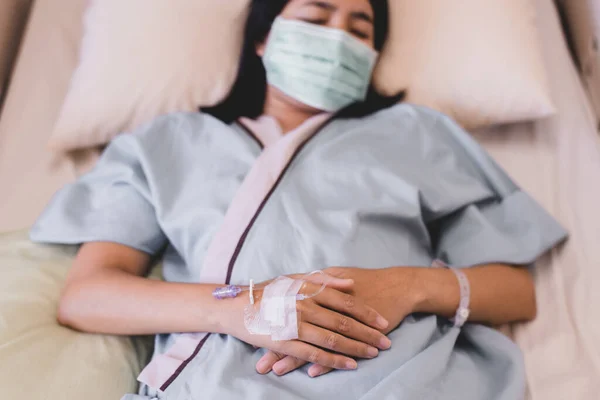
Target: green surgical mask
<point>325,68</point>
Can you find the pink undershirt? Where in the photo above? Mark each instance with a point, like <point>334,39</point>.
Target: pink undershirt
<point>278,149</point>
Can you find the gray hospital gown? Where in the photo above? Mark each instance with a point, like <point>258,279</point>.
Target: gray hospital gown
<point>401,187</point>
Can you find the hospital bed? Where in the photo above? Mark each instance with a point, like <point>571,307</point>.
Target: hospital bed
<point>556,159</point>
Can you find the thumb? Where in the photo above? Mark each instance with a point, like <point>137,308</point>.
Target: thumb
<point>340,284</point>
<point>331,281</point>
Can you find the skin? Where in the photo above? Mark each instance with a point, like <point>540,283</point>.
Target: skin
<point>107,292</point>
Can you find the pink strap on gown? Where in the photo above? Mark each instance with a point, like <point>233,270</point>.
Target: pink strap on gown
<point>278,150</point>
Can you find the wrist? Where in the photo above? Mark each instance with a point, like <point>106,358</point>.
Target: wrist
<point>436,291</point>
<point>229,314</point>
<point>409,281</point>
<point>419,290</point>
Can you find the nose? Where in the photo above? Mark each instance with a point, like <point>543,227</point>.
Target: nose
<point>339,21</point>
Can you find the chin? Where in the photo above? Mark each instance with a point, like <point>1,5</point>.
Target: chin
<point>305,107</point>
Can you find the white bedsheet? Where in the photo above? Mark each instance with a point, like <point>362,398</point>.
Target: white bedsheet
<point>558,161</point>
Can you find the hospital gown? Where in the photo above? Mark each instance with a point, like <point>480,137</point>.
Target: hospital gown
<point>401,187</point>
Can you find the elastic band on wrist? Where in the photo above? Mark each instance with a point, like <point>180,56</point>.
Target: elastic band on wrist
<point>463,311</point>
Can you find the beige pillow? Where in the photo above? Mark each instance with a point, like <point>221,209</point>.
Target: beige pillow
<point>40,359</point>
<point>476,60</point>
<point>143,58</point>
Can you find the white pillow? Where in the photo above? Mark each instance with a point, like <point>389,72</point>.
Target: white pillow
<point>478,61</point>
<point>143,58</point>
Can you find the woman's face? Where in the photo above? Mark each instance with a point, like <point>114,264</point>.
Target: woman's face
<point>355,17</point>
<point>352,16</point>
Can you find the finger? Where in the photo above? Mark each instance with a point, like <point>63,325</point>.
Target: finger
<point>287,365</point>
<point>350,305</point>
<point>343,285</point>
<point>266,362</point>
<point>315,355</point>
<point>336,272</point>
<point>318,370</point>
<point>333,341</point>
<point>342,324</point>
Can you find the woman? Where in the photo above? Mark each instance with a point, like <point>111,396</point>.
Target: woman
<point>271,183</point>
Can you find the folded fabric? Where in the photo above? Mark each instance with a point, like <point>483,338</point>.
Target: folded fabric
<point>401,187</point>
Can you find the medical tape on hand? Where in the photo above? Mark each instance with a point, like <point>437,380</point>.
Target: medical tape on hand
<point>277,315</point>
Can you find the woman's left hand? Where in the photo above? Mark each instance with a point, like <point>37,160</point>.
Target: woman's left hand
<point>390,291</point>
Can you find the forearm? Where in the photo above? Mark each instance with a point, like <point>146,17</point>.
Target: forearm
<point>499,293</point>
<point>115,302</point>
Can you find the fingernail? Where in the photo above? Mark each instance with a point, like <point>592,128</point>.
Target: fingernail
<point>382,322</point>
<point>372,352</point>
<point>351,364</point>
<point>314,374</point>
<point>263,366</point>
<point>385,343</point>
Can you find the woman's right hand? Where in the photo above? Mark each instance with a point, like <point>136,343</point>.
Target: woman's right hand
<point>333,327</point>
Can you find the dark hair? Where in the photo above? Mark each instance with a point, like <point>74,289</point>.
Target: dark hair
<point>248,94</point>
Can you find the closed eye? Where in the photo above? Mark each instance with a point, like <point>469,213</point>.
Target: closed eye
<point>315,21</point>
<point>356,32</point>
<point>360,34</point>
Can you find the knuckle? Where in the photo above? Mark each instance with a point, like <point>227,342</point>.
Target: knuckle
<point>370,314</point>
<point>301,307</point>
<point>376,338</point>
<point>301,330</point>
<point>286,363</point>
<point>349,301</point>
<point>344,325</point>
<point>364,350</point>
<point>339,363</point>
<point>314,356</point>
<point>332,341</point>
<point>280,348</point>
<point>306,311</point>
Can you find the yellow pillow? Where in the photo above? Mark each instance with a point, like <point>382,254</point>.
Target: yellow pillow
<point>40,359</point>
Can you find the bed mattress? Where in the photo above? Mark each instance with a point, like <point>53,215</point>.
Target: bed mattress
<point>557,160</point>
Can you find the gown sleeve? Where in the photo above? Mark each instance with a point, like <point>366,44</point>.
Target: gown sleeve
<point>112,203</point>
<point>504,226</point>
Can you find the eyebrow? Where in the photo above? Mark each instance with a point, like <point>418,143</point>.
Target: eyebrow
<point>360,15</point>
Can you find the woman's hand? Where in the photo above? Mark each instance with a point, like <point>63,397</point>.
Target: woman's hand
<point>389,291</point>
<point>332,320</point>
